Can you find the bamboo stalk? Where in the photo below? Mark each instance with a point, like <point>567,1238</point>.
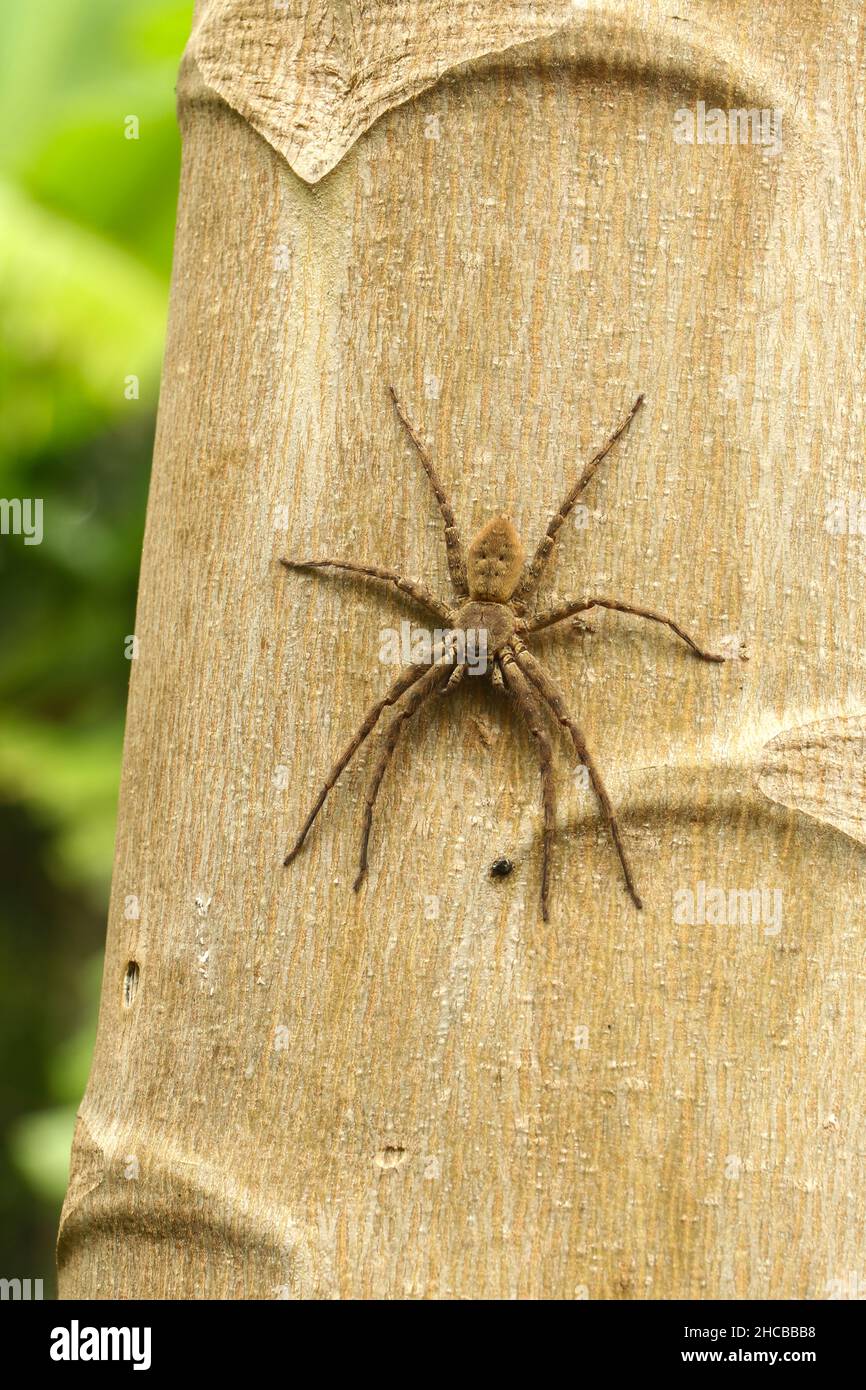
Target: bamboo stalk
<point>423,1090</point>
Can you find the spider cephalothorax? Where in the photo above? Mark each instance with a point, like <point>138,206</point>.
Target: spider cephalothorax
<point>494,564</point>
<point>494,588</point>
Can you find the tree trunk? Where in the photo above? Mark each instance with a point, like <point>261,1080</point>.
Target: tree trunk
<point>424,1089</point>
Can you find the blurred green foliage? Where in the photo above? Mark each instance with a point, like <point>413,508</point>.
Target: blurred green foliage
<point>86,226</point>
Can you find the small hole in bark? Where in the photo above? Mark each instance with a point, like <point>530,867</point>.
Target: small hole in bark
<point>130,983</point>
<point>501,867</point>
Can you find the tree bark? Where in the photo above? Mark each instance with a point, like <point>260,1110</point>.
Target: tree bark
<point>424,1090</point>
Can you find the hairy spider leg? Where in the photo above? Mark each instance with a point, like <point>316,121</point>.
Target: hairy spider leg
<point>550,694</point>
<point>533,716</point>
<point>415,590</point>
<point>537,565</point>
<point>453,543</point>
<point>414,700</point>
<point>571,610</point>
<point>405,681</point>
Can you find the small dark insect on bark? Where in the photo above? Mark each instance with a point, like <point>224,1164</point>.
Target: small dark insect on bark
<point>494,589</point>
<point>501,868</point>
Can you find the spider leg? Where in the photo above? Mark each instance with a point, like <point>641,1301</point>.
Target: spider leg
<point>404,682</point>
<point>454,679</point>
<point>543,622</point>
<point>419,592</point>
<point>531,710</point>
<point>414,700</point>
<point>534,570</point>
<point>569,610</point>
<point>549,692</point>
<point>453,543</point>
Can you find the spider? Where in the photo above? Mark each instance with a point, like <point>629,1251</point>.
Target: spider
<point>494,590</point>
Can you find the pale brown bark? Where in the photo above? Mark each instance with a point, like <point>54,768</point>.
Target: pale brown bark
<point>423,1090</point>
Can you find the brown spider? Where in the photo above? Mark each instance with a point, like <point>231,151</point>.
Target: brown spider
<point>493,587</point>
